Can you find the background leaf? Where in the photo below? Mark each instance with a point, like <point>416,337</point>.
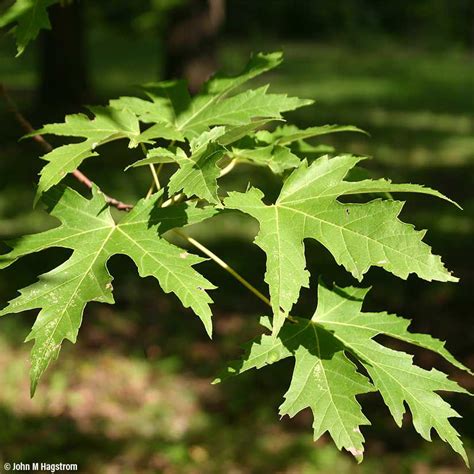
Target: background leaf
<point>31,17</point>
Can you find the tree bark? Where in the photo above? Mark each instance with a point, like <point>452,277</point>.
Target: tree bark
<point>191,41</point>
<point>64,83</point>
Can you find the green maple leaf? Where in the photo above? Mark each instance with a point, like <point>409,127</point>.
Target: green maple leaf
<point>160,131</point>
<point>170,103</point>
<point>215,105</point>
<point>311,151</point>
<point>295,139</point>
<point>278,158</point>
<point>108,124</point>
<point>234,134</point>
<point>220,84</point>
<point>156,111</point>
<point>275,149</point>
<point>358,235</point>
<point>90,231</point>
<point>237,110</point>
<point>286,134</point>
<point>172,96</point>
<point>392,372</point>
<point>323,379</point>
<point>31,16</point>
<point>197,174</point>
<point>157,156</point>
<point>174,115</point>
<point>326,381</point>
<point>177,105</point>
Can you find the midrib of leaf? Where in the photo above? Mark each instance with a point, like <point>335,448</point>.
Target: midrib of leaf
<point>67,162</point>
<point>349,192</point>
<point>197,112</point>
<point>222,115</point>
<point>365,328</point>
<point>86,273</point>
<point>57,241</point>
<point>117,136</point>
<point>381,366</point>
<point>405,391</point>
<point>318,349</point>
<point>48,291</point>
<point>226,114</point>
<point>277,312</point>
<point>84,132</point>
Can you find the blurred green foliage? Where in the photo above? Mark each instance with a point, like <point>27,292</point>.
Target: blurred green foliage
<point>433,23</point>
<point>142,17</point>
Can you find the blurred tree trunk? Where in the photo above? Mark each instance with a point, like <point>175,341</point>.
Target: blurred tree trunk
<point>472,27</point>
<point>191,41</point>
<point>63,81</point>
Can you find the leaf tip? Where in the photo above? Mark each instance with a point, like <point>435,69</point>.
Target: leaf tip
<point>38,194</point>
<point>208,327</point>
<point>357,453</point>
<point>33,386</point>
<point>20,50</point>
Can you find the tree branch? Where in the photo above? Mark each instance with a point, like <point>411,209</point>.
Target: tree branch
<point>47,147</point>
<point>224,265</point>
